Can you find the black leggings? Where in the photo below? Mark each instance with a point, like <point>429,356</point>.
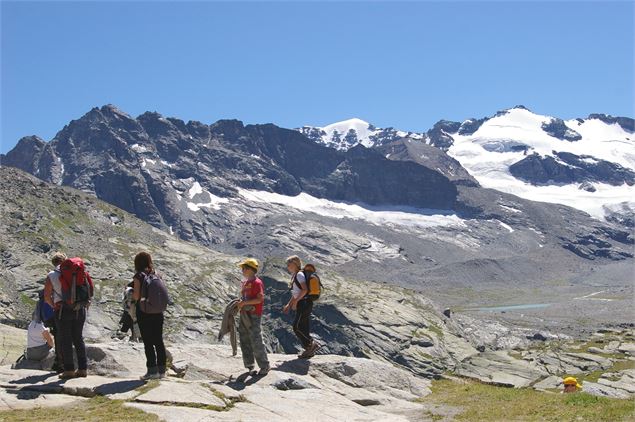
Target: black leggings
<point>151,327</point>
<point>302,322</point>
<point>70,327</point>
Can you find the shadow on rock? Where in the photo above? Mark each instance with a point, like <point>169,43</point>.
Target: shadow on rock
<point>119,387</point>
<point>296,366</point>
<point>33,379</point>
<point>243,381</point>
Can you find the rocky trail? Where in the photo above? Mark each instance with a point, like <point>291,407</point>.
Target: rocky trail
<point>210,384</point>
<point>205,382</point>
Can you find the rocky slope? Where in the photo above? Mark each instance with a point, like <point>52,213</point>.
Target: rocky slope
<point>244,190</point>
<point>377,327</point>
<point>380,321</point>
<point>356,318</point>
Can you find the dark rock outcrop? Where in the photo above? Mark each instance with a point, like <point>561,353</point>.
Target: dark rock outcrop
<point>557,128</point>
<point>626,123</point>
<point>566,168</point>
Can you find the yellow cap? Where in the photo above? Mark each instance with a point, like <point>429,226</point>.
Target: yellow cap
<point>571,381</point>
<point>249,262</point>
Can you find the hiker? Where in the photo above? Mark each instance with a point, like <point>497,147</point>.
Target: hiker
<point>39,340</point>
<point>128,320</point>
<point>48,311</point>
<point>46,315</point>
<point>302,304</point>
<point>69,289</point>
<point>252,298</point>
<point>151,297</point>
<point>571,385</point>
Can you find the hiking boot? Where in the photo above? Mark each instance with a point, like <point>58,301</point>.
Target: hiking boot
<point>67,375</point>
<point>310,351</point>
<point>81,373</point>
<point>264,371</point>
<point>152,374</point>
<point>119,335</point>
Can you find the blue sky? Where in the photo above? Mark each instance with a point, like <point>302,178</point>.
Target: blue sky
<point>405,65</point>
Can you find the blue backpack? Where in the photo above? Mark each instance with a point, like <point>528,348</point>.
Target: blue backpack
<point>45,310</point>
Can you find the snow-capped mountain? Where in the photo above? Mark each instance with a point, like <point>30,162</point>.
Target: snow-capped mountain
<point>348,133</point>
<point>586,163</point>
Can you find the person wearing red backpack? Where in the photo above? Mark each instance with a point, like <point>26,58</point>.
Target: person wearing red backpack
<point>69,289</point>
<point>151,297</point>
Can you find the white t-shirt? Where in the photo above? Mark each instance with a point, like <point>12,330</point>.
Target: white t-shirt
<point>296,291</point>
<point>34,336</point>
<point>54,276</point>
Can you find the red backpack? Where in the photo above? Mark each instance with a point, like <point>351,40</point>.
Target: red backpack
<point>77,286</point>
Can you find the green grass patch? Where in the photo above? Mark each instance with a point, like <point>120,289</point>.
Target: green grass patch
<point>149,385</point>
<point>482,402</point>
<point>515,354</point>
<point>92,410</point>
<point>27,300</point>
<point>434,328</point>
<point>619,365</point>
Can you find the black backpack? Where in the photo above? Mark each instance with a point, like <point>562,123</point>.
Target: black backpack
<point>154,294</point>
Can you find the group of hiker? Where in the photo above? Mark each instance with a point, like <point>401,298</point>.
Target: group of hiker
<point>60,314</point>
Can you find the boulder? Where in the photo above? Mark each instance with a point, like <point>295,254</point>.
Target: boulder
<point>499,368</point>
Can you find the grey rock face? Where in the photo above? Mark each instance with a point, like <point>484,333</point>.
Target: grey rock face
<point>557,128</point>
<point>567,168</point>
<point>136,164</point>
<point>429,157</point>
<point>626,123</point>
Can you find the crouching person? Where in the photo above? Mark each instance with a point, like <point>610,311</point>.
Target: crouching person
<point>252,297</point>
<point>39,341</point>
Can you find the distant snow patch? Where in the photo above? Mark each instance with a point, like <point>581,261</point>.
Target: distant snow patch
<point>207,200</point>
<point>194,190</point>
<point>506,226</point>
<point>510,209</point>
<point>138,148</point>
<point>394,215</point>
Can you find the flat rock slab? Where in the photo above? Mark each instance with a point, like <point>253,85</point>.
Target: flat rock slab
<point>13,342</point>
<point>315,405</point>
<point>48,382</point>
<point>499,368</point>
<point>627,348</point>
<point>552,381</point>
<point>604,390</point>
<point>244,412</point>
<point>114,388</point>
<point>24,399</point>
<point>182,393</point>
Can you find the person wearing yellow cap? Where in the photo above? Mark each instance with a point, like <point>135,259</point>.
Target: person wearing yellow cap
<point>252,298</point>
<point>571,385</point>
